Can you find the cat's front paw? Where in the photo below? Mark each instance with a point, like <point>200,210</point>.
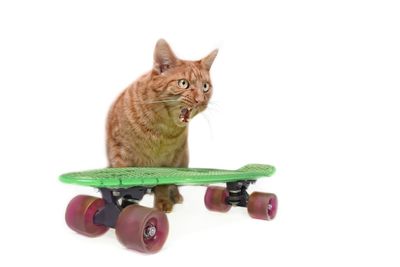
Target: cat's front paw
<point>164,205</point>
<point>176,197</point>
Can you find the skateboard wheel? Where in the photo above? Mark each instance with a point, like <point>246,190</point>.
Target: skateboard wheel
<point>80,214</point>
<point>142,229</point>
<point>214,199</point>
<point>262,206</point>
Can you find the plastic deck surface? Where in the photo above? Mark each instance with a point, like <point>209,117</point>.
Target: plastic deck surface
<point>129,177</point>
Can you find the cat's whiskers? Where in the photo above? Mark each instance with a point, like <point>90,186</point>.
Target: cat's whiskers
<point>204,114</point>
<point>156,101</point>
<point>213,103</point>
<point>212,106</point>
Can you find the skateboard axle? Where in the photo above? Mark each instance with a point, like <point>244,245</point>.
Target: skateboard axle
<point>150,231</point>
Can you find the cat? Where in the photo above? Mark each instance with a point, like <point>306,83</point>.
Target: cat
<point>147,125</point>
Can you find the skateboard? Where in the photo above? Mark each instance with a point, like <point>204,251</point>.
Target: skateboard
<point>146,229</point>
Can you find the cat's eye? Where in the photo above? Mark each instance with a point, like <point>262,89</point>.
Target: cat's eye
<point>206,87</point>
<point>183,83</point>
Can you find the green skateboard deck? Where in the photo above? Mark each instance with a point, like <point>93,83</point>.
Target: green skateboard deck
<point>135,176</point>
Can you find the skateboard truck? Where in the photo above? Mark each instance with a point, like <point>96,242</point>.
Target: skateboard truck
<point>116,200</point>
<point>238,195</point>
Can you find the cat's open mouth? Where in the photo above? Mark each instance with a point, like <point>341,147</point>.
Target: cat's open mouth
<point>184,116</point>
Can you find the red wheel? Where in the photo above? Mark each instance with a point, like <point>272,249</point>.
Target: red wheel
<point>214,199</point>
<point>80,213</point>
<point>262,206</point>
<point>142,229</point>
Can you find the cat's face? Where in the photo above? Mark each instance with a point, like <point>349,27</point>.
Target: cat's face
<point>191,86</point>
<point>185,85</point>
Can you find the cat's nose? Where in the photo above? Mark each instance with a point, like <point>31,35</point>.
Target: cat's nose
<point>199,98</point>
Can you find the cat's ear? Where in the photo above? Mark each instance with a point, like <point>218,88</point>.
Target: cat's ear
<point>164,57</point>
<point>208,60</point>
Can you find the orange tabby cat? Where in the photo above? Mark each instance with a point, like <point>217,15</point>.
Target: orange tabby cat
<point>148,123</point>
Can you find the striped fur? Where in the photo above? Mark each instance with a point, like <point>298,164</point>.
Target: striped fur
<point>144,125</point>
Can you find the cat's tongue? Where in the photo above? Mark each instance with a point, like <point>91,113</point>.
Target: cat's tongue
<point>185,115</point>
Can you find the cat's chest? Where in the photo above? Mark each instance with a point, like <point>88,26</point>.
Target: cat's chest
<point>163,153</point>
<point>165,147</point>
<point>157,147</point>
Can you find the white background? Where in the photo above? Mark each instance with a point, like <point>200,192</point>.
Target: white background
<point>308,86</point>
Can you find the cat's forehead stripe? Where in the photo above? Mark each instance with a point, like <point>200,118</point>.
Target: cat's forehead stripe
<point>194,73</point>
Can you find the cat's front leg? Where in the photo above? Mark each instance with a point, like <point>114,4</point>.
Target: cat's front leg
<point>166,196</point>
